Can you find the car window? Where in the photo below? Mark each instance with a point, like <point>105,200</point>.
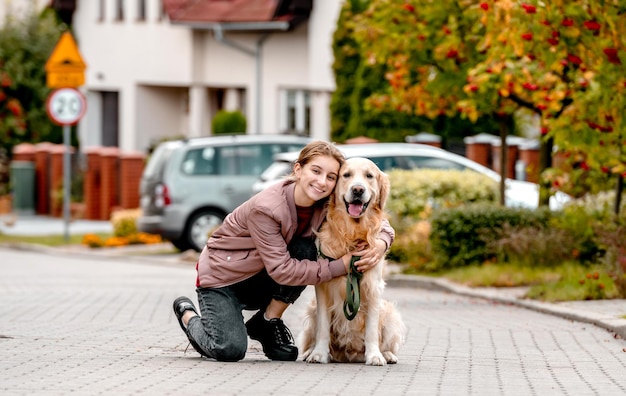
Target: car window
<point>200,161</point>
<point>254,159</point>
<point>385,163</point>
<point>413,162</point>
<point>245,159</point>
<point>277,170</point>
<point>157,161</point>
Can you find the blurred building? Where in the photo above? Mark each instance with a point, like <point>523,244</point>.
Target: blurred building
<point>159,68</point>
<point>19,8</point>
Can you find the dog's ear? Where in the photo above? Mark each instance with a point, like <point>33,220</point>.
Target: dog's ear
<point>385,186</point>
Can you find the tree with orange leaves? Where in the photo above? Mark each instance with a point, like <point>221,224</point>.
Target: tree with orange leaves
<point>560,60</point>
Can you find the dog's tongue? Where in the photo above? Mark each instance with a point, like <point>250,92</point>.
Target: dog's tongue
<point>355,209</point>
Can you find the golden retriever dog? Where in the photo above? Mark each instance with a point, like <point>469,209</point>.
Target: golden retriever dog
<point>374,336</point>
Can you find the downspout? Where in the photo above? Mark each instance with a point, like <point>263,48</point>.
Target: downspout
<point>256,53</point>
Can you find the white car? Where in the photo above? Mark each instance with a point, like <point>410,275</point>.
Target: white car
<point>413,156</point>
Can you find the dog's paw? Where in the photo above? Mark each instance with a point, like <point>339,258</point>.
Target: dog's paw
<point>390,357</point>
<point>375,359</point>
<point>318,356</point>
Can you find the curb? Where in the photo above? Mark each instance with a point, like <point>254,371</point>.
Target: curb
<point>612,324</point>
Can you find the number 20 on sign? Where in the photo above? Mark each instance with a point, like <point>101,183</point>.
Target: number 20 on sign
<point>66,106</point>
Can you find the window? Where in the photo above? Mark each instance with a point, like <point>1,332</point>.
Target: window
<point>200,162</point>
<point>296,111</point>
<point>432,163</point>
<point>243,160</point>
<point>101,7</point>
<point>385,163</point>
<point>141,11</point>
<point>291,110</point>
<point>162,13</point>
<point>119,10</point>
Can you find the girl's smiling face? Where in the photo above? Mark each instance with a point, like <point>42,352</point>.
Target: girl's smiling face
<point>315,180</point>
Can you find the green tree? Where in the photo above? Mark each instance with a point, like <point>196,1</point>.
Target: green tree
<point>226,122</point>
<point>25,46</point>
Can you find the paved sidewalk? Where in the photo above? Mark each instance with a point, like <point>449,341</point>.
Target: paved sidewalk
<point>11,224</point>
<point>103,325</point>
<point>607,314</point>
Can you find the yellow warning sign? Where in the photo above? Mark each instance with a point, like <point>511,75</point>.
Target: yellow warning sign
<point>65,67</point>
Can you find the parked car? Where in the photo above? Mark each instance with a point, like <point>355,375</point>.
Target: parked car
<point>388,156</point>
<point>189,186</point>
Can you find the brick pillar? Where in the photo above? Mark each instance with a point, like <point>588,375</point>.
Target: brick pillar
<point>429,139</point>
<point>42,177</point>
<point>478,148</point>
<point>529,154</point>
<point>131,168</point>
<point>109,181</point>
<point>24,152</point>
<point>511,158</point>
<point>91,184</point>
<point>57,153</point>
<point>513,143</point>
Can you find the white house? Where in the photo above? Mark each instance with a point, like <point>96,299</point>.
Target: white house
<point>19,8</point>
<point>159,68</point>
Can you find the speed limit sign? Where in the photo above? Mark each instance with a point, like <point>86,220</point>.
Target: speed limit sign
<point>66,106</point>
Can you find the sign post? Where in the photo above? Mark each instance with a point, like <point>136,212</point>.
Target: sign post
<point>65,70</point>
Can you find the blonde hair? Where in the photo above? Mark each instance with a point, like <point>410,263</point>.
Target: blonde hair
<point>315,149</point>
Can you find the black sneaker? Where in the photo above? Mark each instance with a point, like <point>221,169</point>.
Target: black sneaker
<point>182,304</point>
<point>275,337</point>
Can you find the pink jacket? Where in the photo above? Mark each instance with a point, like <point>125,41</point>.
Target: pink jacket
<point>256,235</point>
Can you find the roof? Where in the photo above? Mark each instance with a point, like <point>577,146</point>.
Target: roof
<point>239,12</point>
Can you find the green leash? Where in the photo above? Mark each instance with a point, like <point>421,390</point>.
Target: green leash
<point>353,295</point>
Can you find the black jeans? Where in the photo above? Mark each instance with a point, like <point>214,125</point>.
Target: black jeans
<point>220,330</point>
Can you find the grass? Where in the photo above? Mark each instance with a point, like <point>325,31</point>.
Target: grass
<point>501,275</point>
<point>47,240</point>
<point>581,284</point>
<point>565,282</point>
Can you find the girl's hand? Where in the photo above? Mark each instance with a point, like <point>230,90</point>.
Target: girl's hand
<point>370,256</point>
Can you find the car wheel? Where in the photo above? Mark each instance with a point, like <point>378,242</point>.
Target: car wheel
<point>181,244</point>
<point>199,227</point>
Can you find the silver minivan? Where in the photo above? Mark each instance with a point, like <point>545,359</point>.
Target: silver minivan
<point>188,186</point>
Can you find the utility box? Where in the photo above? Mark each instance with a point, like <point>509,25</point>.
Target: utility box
<point>23,187</point>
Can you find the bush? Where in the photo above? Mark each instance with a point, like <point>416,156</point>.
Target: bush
<point>532,246</point>
<point>412,246</point>
<point>461,236</point>
<point>226,122</point>
<point>125,222</point>
<point>415,193</point>
<point>612,239</point>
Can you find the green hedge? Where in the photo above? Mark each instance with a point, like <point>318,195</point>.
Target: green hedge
<point>414,193</point>
<point>460,236</point>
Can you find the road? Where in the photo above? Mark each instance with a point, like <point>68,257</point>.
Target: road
<point>97,325</point>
